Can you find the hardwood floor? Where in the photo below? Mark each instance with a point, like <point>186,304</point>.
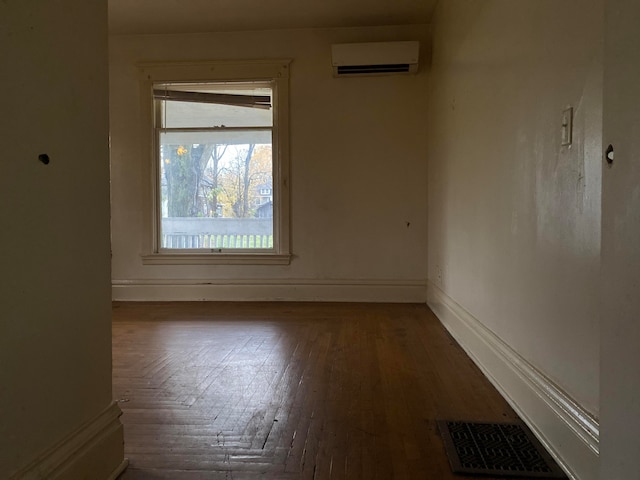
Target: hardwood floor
<point>290,390</point>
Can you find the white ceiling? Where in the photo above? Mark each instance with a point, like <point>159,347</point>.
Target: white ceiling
<point>183,16</point>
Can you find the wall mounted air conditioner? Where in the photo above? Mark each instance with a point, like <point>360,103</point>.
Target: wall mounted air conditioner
<point>377,58</point>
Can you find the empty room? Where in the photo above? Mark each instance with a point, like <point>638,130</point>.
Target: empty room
<point>309,241</point>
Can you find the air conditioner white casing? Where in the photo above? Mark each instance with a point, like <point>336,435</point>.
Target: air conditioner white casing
<point>376,58</point>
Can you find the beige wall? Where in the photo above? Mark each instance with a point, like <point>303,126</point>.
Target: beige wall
<point>55,331</point>
<point>358,169</point>
<point>620,287</point>
<point>514,217</point>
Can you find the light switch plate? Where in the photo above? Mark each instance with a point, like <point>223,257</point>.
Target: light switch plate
<point>567,126</point>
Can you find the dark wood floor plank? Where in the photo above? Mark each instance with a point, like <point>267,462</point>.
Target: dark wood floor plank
<point>305,391</point>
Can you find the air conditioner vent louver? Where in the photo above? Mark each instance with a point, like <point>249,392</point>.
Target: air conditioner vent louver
<point>354,69</point>
<point>377,58</point>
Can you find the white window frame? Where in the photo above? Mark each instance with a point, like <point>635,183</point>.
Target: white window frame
<point>274,71</point>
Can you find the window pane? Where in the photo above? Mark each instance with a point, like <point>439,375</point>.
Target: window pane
<point>216,190</point>
<point>190,114</point>
<point>222,137</point>
<point>215,105</point>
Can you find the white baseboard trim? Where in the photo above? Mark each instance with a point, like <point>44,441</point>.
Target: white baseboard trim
<point>566,429</point>
<point>94,450</point>
<point>118,471</point>
<point>332,290</point>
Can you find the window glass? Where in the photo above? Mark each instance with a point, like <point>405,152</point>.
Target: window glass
<point>215,105</point>
<point>214,148</point>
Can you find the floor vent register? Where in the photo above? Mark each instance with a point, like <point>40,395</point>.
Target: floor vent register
<point>507,450</point>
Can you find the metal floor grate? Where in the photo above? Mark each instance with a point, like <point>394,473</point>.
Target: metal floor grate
<point>498,449</point>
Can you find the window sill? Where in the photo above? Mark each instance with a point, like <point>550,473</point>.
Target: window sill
<point>216,259</point>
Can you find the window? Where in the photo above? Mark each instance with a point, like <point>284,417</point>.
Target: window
<point>214,150</point>
<point>219,163</point>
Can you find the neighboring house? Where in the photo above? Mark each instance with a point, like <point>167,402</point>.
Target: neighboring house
<point>264,200</point>
<point>264,194</point>
<point>265,210</point>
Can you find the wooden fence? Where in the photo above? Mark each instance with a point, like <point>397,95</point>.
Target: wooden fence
<point>217,241</point>
<point>214,233</point>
